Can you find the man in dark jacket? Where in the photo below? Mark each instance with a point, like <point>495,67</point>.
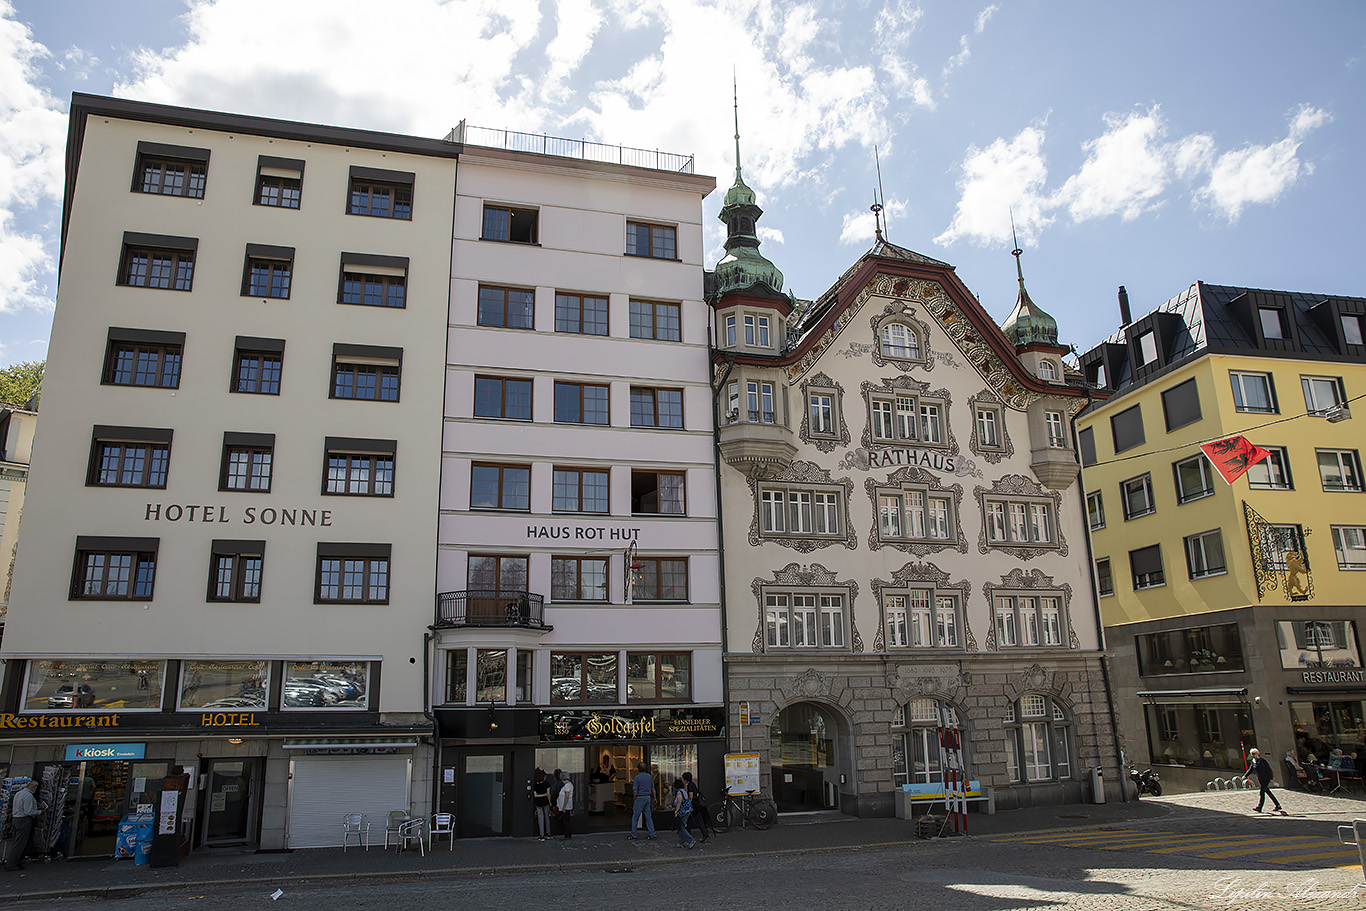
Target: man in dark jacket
<point>1262,770</point>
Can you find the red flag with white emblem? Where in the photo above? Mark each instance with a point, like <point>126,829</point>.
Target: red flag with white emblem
<point>1233,456</point>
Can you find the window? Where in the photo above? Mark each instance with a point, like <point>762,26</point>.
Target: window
<point>511,308</point>
<point>1194,479</point>
<point>1322,393</point>
<point>656,407</point>
<point>521,679</point>
<point>359,468</point>
<point>111,569</point>
<point>279,182</point>
<point>1047,370</point>
<point>578,578</point>
<point>268,271</point>
<point>1095,510</point>
<point>1057,433</point>
<point>582,490</point>
<point>1349,543</point>
<point>490,675</point>
<point>1147,348</point>
<point>730,331</point>
<point>157,261</point>
<point>1271,473</point>
<point>899,341</point>
<point>510,224</point>
<point>502,397</point>
<point>1039,738</point>
<point>580,403</point>
<point>143,357</point>
<point>380,194</point>
<point>922,743</point>
<point>1146,564</point>
<point>235,570</point>
<point>1339,469</point>
<point>1351,328</point>
<point>914,514</point>
<point>129,457</point>
<point>1138,497</point>
<point>247,459</point>
<point>757,331</point>
<point>904,418</point>
<point>1086,440</point>
<point>656,321</point>
<point>1015,522</point>
<point>580,313</point>
<point>1254,392</point>
<point>655,241</point>
<point>367,372</point>
<point>800,620</point>
<point>168,170</point>
<point>655,677</point>
<point>81,685</point>
<point>1272,320</point>
<point>583,677</point>
<point>1029,620</point>
<point>1127,428</point>
<point>1208,735</point>
<point>204,684</point>
<point>370,280</point>
<point>919,618</point>
<point>1105,582</point>
<point>660,579</point>
<point>657,492</point>
<point>1279,540</point>
<point>788,511</point>
<point>1205,554</point>
<point>352,574</point>
<point>1181,405</point>
<point>457,674</point>
<point>1199,650</point>
<point>759,398</point>
<point>257,364</point>
<point>988,432</point>
<point>499,575</point>
<point>822,406</point>
<point>500,486</point>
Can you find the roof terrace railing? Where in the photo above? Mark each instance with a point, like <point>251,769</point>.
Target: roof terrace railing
<point>541,144</point>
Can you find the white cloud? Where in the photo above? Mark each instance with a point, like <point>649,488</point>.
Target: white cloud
<point>32,133</point>
<point>859,227</point>
<point>960,58</point>
<point>1003,176</point>
<point>576,22</point>
<point>893,28</point>
<point>771,235</point>
<point>985,16</point>
<point>1259,174</point>
<point>1126,169</point>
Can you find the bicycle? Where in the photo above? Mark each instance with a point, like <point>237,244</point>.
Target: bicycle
<point>746,810</point>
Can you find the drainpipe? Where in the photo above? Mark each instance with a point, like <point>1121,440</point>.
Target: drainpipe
<point>427,639</point>
<point>1100,623</point>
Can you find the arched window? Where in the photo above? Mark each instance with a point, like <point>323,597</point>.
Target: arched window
<point>900,341</point>
<point>1039,739</point>
<point>1047,370</point>
<point>923,758</point>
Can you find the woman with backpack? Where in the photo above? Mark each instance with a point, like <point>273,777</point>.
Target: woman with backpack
<point>682,810</point>
<point>699,807</point>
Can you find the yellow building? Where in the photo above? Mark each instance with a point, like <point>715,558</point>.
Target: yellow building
<point>1232,610</point>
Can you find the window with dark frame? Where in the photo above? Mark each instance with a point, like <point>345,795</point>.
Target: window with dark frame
<point>1181,405</point>
<point>1253,392</point>
<point>581,403</point>
<point>374,290</point>
<point>143,265</point>
<point>1349,545</point>
<point>143,357</point>
<point>1205,554</point>
<point>1127,428</point>
<point>1146,566</point>
<point>129,457</point>
<point>235,571</point>
<point>582,314</point>
<point>510,308</point>
<point>168,170</point>
<point>660,579</point>
<point>502,397</point>
<point>114,569</point>
<point>1105,583</point>
<point>1138,497</point>
<point>1322,394</point>
<point>1095,510</point>
<point>657,492</point>
<point>457,670</point>
<point>1194,480</point>
<point>510,224</point>
<point>501,574</point>
<point>370,193</point>
<point>652,320</point>
<point>1086,442</point>
<point>247,462</point>
<point>257,365</point>
<point>578,578</point>
<point>359,467</point>
<point>352,574</point>
<point>1339,469</point>
<point>583,677</point>
<point>658,676</point>
<point>654,241</point>
<point>278,191</point>
<point>268,271</point>
<point>581,490</point>
<point>1272,472</point>
<point>495,486</point>
<point>656,407</point>
<point>366,372</point>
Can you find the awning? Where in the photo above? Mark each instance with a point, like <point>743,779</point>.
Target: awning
<point>1206,693</point>
<point>331,743</point>
<point>1326,689</point>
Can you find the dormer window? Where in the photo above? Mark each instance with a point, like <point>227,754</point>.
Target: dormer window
<point>1272,319</point>
<point>1351,328</point>
<point>900,341</point>
<point>1047,370</point>
<point>1147,347</point>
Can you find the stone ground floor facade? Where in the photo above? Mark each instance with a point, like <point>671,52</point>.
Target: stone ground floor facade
<point>848,732</point>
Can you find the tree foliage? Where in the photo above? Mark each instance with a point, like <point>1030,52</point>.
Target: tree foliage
<point>19,382</point>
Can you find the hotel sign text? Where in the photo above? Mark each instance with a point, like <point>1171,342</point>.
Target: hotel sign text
<point>251,515</point>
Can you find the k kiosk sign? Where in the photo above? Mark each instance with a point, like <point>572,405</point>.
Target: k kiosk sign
<point>96,751</point>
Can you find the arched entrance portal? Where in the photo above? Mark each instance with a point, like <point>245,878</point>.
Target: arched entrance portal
<point>804,758</point>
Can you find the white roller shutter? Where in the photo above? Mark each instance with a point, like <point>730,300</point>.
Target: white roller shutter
<point>326,788</point>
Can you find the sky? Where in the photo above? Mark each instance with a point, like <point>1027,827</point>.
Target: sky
<point>1147,145</point>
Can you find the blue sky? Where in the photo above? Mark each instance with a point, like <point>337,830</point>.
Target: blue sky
<point>1149,145</point>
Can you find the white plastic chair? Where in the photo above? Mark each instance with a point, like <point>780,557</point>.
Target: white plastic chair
<point>412,831</point>
<point>391,826</point>
<point>357,824</point>
<point>442,824</point>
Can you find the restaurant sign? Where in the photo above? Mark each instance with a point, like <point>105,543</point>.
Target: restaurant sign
<point>632,724</point>
<point>1334,677</point>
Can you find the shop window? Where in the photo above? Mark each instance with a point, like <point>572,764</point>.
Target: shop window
<point>804,620</point>
<point>129,457</point>
<point>1272,472</point>
<point>237,685</point>
<point>1253,392</point>
<point>659,579</point>
<point>326,685</point>
<point>658,492</point>
<point>510,224</point>
<point>1317,644</point>
<point>1196,650</point>
<point>658,677</point>
<point>522,676</point>
<point>578,578</point>
<point>1205,554</point>
<point>583,677</point>
<point>1038,740</point>
<point>114,569</point>
<point>582,314</point>
<point>94,685</point>
<point>500,486</point>
<point>235,571</point>
<point>1201,735</point>
<point>581,490</point>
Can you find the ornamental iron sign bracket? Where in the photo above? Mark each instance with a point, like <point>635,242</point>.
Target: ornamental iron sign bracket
<point>1279,557</point>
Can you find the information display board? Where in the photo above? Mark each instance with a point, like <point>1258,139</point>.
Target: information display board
<point>742,773</point>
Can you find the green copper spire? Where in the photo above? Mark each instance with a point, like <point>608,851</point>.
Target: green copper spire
<point>743,266</point>
<point>1027,324</point>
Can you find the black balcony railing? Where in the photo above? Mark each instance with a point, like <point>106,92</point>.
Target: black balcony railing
<point>490,607</point>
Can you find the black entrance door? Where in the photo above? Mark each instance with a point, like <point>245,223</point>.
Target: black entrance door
<point>228,818</point>
<point>484,794</point>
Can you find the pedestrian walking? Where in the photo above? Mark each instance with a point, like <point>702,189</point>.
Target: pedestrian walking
<point>1262,769</point>
<point>643,788</point>
<point>540,800</point>
<point>682,810</point>
<point>699,807</point>
<point>23,811</point>
<point>565,804</point>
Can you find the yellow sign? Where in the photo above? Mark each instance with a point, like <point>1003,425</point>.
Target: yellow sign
<point>228,720</point>
<point>744,713</point>
<point>59,721</point>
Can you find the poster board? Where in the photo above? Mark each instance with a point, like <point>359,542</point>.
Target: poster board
<point>742,773</point>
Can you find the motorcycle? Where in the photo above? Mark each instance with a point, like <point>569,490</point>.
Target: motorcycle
<point>1147,780</point>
